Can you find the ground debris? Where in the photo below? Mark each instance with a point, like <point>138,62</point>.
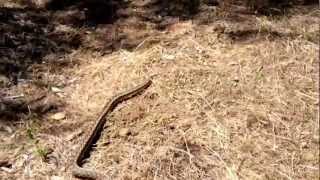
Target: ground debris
<point>123,132</point>
<point>58,116</point>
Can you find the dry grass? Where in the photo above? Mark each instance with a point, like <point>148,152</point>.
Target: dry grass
<point>217,109</point>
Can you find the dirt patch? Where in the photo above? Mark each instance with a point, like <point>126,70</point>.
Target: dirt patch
<point>27,38</point>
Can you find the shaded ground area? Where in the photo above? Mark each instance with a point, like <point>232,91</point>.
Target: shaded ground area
<point>35,43</point>
<point>28,37</point>
<point>234,95</point>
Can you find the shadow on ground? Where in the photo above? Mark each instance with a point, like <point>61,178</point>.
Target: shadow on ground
<point>34,40</point>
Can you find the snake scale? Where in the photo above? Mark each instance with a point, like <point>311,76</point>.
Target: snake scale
<point>77,170</point>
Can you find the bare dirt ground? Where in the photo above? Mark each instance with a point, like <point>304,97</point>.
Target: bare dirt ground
<point>234,96</point>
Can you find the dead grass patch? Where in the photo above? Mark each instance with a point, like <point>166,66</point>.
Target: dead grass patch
<point>217,109</point>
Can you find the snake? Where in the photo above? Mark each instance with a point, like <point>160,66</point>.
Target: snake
<point>80,172</point>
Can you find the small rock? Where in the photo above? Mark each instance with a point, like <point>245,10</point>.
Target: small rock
<point>56,90</point>
<point>58,116</point>
<point>124,132</point>
<point>309,156</point>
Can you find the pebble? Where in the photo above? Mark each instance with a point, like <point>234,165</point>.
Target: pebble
<point>123,132</point>
<point>58,116</point>
<point>309,156</point>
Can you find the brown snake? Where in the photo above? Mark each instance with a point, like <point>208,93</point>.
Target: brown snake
<point>84,152</point>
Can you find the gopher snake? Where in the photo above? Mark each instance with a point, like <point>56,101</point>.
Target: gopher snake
<point>84,152</point>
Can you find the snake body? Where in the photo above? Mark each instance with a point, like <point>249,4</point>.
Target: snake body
<point>80,172</point>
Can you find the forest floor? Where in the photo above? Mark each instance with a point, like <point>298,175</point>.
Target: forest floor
<point>234,95</point>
